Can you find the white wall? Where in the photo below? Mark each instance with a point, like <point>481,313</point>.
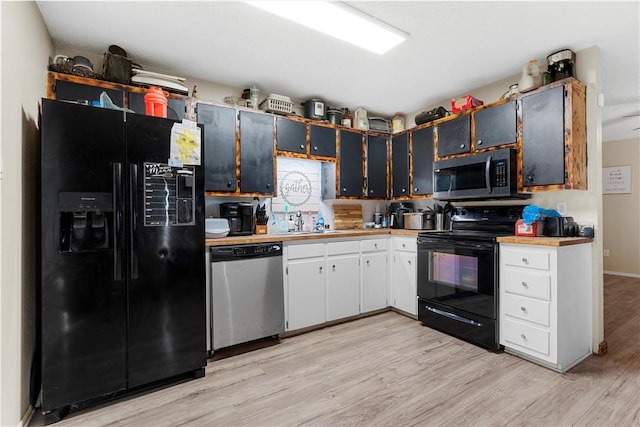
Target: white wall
<point>26,46</point>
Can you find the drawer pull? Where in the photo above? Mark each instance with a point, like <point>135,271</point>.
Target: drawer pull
<point>523,309</point>
<point>523,336</point>
<point>524,260</point>
<point>525,285</point>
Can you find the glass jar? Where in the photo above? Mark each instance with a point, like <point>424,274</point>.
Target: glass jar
<point>397,123</point>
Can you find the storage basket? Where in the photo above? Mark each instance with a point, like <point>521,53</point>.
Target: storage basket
<point>277,104</point>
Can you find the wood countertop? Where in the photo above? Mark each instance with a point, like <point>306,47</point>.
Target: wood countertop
<point>289,237</point>
<point>545,241</point>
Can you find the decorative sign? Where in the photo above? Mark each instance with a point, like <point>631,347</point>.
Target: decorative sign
<point>168,195</point>
<point>616,180</point>
<point>298,186</point>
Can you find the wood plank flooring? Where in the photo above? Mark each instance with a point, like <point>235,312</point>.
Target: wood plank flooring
<point>388,370</point>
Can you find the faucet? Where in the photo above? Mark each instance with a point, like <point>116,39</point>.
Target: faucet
<point>299,221</point>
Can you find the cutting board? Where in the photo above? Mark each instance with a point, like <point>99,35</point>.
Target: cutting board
<point>347,217</point>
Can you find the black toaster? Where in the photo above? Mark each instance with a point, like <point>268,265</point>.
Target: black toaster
<point>563,226</point>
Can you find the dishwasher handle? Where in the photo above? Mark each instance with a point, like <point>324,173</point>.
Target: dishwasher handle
<point>240,252</point>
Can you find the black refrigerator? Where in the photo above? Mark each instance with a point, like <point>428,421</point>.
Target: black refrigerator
<point>123,268</point>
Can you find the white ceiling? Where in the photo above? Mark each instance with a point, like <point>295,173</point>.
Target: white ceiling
<point>454,47</point>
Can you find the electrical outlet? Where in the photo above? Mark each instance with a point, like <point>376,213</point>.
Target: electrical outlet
<point>605,252</point>
<point>561,207</point>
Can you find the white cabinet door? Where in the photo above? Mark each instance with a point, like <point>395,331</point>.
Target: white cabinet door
<point>374,281</point>
<point>343,286</point>
<point>306,293</point>
<point>403,282</point>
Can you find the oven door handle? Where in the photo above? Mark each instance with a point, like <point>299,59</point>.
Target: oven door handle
<point>454,316</point>
<point>487,174</point>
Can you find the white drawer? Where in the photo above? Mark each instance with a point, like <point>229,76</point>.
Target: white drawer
<point>309,250</point>
<point>532,310</point>
<point>529,283</point>
<point>373,245</point>
<point>527,336</point>
<point>405,244</point>
<point>340,248</point>
<point>529,258</point>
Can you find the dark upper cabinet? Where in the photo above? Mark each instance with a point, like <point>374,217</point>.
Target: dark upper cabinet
<point>376,166</point>
<point>350,164</point>
<point>422,161</point>
<point>256,153</point>
<point>72,91</point>
<point>291,135</point>
<point>543,151</point>
<point>400,164</point>
<point>175,107</point>
<point>322,141</point>
<point>454,136</point>
<point>219,146</point>
<point>496,125</point>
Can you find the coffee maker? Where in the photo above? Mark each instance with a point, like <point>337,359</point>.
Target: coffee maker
<point>397,211</point>
<point>240,217</point>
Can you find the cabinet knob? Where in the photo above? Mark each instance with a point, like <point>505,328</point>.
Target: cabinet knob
<point>404,246</point>
<point>375,245</point>
<point>525,285</point>
<point>404,190</point>
<point>530,178</point>
<point>301,147</point>
<point>315,148</point>
<point>334,267</point>
<point>461,145</point>
<point>523,336</point>
<point>370,191</point>
<point>344,189</point>
<point>525,261</point>
<point>320,269</point>
<point>523,309</point>
<point>229,183</point>
<point>409,262</point>
<point>367,262</point>
<point>479,142</point>
<point>268,185</point>
<point>415,188</point>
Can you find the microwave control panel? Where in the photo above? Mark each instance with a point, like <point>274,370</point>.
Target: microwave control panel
<point>501,175</point>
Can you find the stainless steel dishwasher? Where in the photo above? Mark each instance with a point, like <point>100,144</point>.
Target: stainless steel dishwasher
<point>247,293</point>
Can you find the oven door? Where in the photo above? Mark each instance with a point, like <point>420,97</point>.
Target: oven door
<point>458,274</point>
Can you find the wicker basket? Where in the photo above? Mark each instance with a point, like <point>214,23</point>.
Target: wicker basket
<point>277,104</point>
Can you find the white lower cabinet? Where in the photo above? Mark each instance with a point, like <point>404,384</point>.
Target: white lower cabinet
<point>545,303</point>
<point>305,285</point>
<point>343,279</point>
<point>374,274</point>
<point>404,292</point>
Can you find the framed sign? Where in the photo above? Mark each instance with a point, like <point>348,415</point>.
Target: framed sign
<point>616,180</point>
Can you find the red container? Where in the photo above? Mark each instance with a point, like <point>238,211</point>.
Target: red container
<point>155,102</point>
<point>465,102</point>
<point>528,230</point>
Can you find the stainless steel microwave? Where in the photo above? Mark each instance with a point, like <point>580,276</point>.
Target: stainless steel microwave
<point>487,175</point>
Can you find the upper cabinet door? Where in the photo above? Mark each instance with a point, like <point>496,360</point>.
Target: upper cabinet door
<point>219,147</point>
<point>71,91</point>
<point>291,135</point>
<point>454,136</point>
<point>322,141</point>
<point>400,164</point>
<point>496,125</point>
<point>351,164</point>
<point>422,144</point>
<point>376,166</point>
<point>543,156</point>
<point>256,152</point>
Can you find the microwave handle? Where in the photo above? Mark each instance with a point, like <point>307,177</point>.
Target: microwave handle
<point>487,174</point>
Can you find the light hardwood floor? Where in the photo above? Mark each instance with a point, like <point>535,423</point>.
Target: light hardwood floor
<point>389,370</point>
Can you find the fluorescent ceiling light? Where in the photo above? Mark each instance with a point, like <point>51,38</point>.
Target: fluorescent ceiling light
<point>338,20</point>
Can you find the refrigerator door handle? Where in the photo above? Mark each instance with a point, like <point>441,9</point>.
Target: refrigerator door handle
<point>117,221</point>
<point>133,209</point>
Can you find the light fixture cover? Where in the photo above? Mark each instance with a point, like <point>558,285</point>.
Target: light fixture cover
<point>338,20</point>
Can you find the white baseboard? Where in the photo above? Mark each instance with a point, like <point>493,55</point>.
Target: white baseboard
<point>26,418</point>
<point>620,273</point>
